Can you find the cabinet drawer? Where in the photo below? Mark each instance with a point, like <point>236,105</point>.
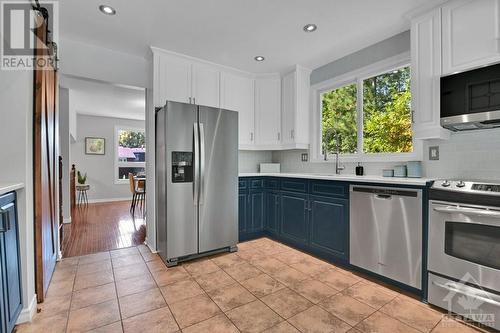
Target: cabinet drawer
<point>271,184</point>
<point>294,185</point>
<point>329,188</point>
<point>242,184</point>
<point>256,183</point>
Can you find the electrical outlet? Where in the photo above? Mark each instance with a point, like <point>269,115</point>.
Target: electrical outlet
<point>434,153</point>
<point>304,157</point>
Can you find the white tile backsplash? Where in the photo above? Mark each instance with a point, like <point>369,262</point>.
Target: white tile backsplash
<point>249,160</point>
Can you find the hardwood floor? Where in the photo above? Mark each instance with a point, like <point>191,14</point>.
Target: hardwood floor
<point>102,227</point>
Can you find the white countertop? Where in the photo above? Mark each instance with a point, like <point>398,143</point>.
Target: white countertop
<point>9,187</point>
<point>346,177</point>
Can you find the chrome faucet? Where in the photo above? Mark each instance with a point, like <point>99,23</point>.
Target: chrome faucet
<point>338,141</point>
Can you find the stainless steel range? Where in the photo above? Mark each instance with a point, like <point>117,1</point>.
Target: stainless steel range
<point>464,249</point>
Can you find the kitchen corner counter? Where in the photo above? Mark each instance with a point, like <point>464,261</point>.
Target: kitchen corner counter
<point>346,178</point>
<point>9,187</point>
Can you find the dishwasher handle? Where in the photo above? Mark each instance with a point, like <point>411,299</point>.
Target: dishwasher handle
<point>386,193</point>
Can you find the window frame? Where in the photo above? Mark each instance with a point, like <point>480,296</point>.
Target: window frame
<point>357,77</point>
<point>118,164</point>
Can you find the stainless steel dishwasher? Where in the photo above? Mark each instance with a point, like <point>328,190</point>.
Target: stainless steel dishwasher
<point>386,232</point>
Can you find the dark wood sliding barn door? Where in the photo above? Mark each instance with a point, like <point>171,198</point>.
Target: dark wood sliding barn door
<point>45,154</point>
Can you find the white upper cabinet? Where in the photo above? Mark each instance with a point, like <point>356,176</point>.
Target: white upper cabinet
<point>237,94</point>
<point>205,85</point>
<point>172,79</point>
<point>426,71</point>
<point>470,34</point>
<point>184,80</point>
<point>295,109</point>
<point>268,111</point>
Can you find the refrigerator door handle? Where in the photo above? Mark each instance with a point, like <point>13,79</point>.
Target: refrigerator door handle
<point>202,164</point>
<point>196,144</point>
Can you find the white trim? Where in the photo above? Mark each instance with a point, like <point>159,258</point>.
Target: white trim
<point>357,76</point>
<point>67,220</point>
<point>109,200</point>
<point>27,313</point>
<point>116,163</point>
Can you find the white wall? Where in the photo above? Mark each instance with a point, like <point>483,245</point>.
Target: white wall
<point>64,143</point>
<point>100,169</point>
<point>16,124</point>
<point>248,161</point>
<point>98,63</point>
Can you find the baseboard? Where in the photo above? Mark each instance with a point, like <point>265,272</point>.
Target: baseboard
<point>109,200</point>
<point>150,249</point>
<point>27,313</point>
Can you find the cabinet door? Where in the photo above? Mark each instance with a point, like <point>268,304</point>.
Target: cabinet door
<point>256,200</point>
<point>174,79</point>
<point>294,215</point>
<point>238,95</point>
<point>272,212</point>
<point>470,34</point>
<point>10,261</point>
<point>329,225</point>
<point>242,213</point>
<point>426,71</point>
<point>288,109</point>
<point>206,85</point>
<point>268,111</point>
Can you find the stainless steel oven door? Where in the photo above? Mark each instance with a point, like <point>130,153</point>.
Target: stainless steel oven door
<point>465,239</point>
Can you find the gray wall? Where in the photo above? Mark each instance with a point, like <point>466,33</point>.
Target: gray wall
<point>382,50</point>
<point>64,150</point>
<point>100,168</point>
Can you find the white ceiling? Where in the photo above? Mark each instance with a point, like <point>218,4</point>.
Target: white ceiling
<point>104,99</point>
<point>232,32</point>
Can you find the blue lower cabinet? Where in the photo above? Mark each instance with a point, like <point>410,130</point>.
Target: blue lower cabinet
<point>329,226</point>
<point>9,262</point>
<point>242,213</point>
<point>256,210</point>
<point>294,216</point>
<point>272,212</point>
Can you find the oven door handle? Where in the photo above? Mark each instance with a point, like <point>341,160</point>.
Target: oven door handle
<point>451,286</point>
<point>469,211</point>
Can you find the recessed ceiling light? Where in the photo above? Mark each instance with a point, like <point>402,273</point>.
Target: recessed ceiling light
<point>108,10</point>
<point>259,58</point>
<point>310,27</point>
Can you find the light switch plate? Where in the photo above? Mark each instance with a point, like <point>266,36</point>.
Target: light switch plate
<point>434,153</point>
<point>304,157</point>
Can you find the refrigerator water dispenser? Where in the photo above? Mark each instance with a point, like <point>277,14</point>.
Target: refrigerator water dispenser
<point>182,167</point>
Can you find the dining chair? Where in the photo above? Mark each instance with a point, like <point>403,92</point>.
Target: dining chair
<point>138,191</point>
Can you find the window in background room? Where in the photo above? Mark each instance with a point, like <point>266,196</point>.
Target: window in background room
<point>387,113</point>
<point>130,153</point>
<point>339,116</point>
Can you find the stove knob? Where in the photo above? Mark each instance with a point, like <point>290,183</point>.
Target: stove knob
<point>446,183</point>
<point>461,184</point>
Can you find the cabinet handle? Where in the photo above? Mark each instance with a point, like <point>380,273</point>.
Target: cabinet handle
<point>292,134</point>
<point>189,100</point>
<point>251,136</point>
<point>279,136</point>
<point>194,100</point>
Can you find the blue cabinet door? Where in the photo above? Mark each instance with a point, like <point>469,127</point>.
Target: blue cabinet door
<point>329,225</point>
<point>256,209</point>
<point>294,217</point>
<point>242,212</point>
<point>272,212</point>
<point>9,250</point>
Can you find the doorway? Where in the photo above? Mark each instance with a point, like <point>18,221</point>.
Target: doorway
<point>103,150</point>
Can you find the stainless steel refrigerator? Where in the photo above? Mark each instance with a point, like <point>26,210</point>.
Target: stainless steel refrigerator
<point>196,181</point>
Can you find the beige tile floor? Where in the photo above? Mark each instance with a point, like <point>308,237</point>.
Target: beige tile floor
<point>264,287</point>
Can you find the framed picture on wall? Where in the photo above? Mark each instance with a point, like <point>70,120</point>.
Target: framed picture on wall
<point>94,146</point>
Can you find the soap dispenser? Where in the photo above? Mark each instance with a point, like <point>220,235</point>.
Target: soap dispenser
<point>359,170</point>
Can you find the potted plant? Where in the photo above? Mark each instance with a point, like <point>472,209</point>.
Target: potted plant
<point>82,179</point>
